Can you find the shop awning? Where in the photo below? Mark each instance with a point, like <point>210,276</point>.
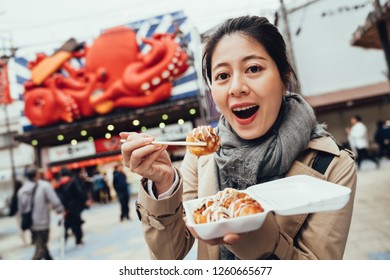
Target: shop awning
<point>350,97</point>
<point>367,35</point>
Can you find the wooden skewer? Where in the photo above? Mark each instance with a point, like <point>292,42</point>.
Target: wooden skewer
<point>175,143</point>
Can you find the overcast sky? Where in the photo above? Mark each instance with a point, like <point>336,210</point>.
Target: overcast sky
<point>46,24</point>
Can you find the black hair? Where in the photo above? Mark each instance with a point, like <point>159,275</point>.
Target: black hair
<point>265,33</point>
<point>65,172</point>
<point>358,118</point>
<point>31,172</point>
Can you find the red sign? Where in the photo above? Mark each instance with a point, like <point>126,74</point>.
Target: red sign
<point>108,145</point>
<point>5,96</point>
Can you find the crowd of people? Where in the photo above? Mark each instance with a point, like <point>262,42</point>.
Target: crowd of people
<point>69,193</point>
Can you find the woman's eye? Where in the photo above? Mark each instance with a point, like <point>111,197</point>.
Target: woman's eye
<point>254,69</point>
<point>222,76</point>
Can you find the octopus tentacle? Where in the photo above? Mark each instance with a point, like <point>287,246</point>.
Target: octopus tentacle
<point>161,93</point>
<point>69,108</point>
<point>144,77</point>
<point>41,106</point>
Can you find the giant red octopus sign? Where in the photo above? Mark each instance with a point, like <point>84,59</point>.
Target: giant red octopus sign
<point>116,74</point>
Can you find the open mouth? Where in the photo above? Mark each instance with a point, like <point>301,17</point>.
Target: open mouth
<point>245,112</point>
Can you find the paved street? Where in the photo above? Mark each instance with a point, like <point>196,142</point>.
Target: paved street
<point>108,239</point>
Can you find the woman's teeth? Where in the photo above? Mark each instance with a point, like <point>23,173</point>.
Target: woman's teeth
<point>243,108</point>
<point>246,111</point>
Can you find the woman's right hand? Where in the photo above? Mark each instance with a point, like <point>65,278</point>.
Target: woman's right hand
<point>148,160</point>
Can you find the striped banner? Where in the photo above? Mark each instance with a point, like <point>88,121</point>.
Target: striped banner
<point>184,87</point>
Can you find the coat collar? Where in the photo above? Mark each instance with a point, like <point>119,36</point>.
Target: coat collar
<point>325,144</point>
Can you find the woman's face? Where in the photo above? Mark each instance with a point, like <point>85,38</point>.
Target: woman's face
<point>246,85</point>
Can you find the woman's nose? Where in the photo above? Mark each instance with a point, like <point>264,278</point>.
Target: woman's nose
<point>238,87</point>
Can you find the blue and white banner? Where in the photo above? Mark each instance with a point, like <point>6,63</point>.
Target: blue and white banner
<point>185,86</point>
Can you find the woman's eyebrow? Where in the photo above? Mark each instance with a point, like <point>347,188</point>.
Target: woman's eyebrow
<point>249,57</point>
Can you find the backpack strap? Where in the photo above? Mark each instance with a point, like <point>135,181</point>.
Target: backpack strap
<point>323,159</point>
<point>33,196</point>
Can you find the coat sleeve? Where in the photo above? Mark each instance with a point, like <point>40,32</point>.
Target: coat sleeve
<point>162,221</point>
<point>53,198</point>
<point>321,235</point>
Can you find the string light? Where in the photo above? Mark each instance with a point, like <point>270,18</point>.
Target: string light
<point>60,137</point>
<point>83,133</point>
<point>110,127</point>
<point>345,9</point>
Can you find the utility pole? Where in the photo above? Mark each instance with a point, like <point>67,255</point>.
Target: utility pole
<point>289,47</point>
<point>381,26</point>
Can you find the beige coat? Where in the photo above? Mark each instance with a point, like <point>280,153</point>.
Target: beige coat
<point>309,236</point>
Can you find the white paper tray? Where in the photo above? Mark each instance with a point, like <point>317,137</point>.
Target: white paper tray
<point>288,196</point>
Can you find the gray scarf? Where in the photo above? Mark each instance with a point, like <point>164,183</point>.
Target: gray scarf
<point>242,163</point>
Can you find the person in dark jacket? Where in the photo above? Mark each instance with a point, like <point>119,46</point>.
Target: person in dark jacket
<point>379,138</point>
<point>72,192</point>
<point>122,191</point>
<point>13,209</point>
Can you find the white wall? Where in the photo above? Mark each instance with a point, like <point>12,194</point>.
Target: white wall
<point>326,61</point>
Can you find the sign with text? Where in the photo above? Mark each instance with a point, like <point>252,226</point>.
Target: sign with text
<point>66,152</point>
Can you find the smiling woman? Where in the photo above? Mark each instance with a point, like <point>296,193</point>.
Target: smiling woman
<point>246,86</point>
<point>267,132</point>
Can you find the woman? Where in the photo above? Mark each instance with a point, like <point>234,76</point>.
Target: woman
<point>266,133</point>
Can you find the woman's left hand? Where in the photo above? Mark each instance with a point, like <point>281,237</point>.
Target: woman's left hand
<point>229,239</point>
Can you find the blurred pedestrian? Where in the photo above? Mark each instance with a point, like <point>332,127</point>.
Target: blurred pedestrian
<point>88,183</point>
<point>122,191</point>
<point>44,197</point>
<point>72,192</point>
<point>386,138</point>
<point>106,190</point>
<point>358,140</point>
<point>379,138</point>
<point>13,210</point>
<point>100,187</point>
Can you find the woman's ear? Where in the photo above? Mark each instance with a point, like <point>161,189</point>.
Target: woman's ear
<point>287,79</point>
<point>287,82</point>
